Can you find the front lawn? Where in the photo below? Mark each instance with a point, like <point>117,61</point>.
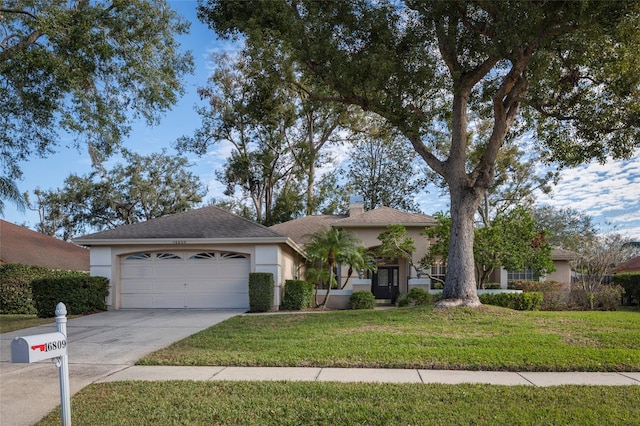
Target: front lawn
<point>9,322</point>
<point>295,403</point>
<point>488,338</point>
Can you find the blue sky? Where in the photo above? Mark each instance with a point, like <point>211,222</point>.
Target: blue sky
<point>610,193</point>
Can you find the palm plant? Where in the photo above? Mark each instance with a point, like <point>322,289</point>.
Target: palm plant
<point>9,191</point>
<point>358,259</point>
<point>325,248</point>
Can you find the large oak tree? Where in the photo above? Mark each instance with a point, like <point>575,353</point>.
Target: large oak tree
<point>86,68</point>
<point>566,71</point>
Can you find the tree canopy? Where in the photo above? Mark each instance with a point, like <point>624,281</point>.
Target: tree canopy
<point>86,68</point>
<point>567,72</point>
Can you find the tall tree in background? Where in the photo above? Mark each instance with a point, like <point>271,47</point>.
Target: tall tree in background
<point>382,170</point>
<point>84,67</point>
<point>144,188</point>
<point>567,71</point>
<point>277,136</point>
<point>566,228</point>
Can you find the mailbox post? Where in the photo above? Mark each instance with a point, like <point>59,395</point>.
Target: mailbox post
<point>40,347</point>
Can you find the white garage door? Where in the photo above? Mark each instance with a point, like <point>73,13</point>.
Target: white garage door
<point>185,280</point>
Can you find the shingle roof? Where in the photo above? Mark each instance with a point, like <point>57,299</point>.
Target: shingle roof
<point>207,222</point>
<point>387,215</point>
<point>300,230</point>
<point>561,254</point>
<point>630,265</point>
<point>22,245</point>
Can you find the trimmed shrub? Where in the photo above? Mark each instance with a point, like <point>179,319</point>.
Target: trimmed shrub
<point>260,291</point>
<point>362,300</point>
<point>631,285</point>
<point>555,294</point>
<point>298,295</point>
<point>418,296</point>
<point>519,301</point>
<point>15,286</point>
<point>80,294</point>
<point>492,286</point>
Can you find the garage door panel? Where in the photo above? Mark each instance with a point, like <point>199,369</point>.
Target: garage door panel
<point>158,281</point>
<point>137,286</point>
<point>137,270</point>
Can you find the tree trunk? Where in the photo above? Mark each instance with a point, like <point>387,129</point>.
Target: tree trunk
<point>460,282</point>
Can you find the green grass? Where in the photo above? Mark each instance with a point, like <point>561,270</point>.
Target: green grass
<point>10,322</point>
<point>488,338</point>
<point>296,403</point>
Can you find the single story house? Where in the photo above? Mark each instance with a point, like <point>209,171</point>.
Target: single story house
<point>22,245</point>
<point>202,258</point>
<point>629,267</point>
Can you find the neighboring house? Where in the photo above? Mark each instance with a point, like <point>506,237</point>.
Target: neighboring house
<point>630,266</point>
<point>196,259</point>
<point>22,245</point>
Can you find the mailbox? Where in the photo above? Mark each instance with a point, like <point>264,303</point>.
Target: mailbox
<point>38,347</point>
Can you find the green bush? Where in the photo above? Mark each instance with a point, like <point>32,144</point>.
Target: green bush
<point>362,300</point>
<point>15,286</point>
<point>260,291</point>
<point>519,301</point>
<point>631,285</point>
<point>492,286</point>
<point>298,295</point>
<point>80,294</point>
<point>417,296</point>
<point>555,295</point>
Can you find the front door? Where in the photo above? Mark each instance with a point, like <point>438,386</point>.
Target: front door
<point>385,283</point>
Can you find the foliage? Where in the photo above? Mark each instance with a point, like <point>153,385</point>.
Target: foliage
<point>418,297</point>
<point>530,301</point>
<point>488,338</point>
<point>362,300</point>
<point>565,228</point>
<point>554,294</point>
<point>565,71</point>
<point>144,188</point>
<point>86,68</point>
<point>595,259</point>
<point>277,135</point>
<point>512,240</point>
<point>9,191</point>
<point>79,292</point>
<point>15,286</point>
<point>631,285</point>
<point>260,291</point>
<point>395,243</point>
<point>382,168</point>
<point>324,250</point>
<point>298,295</point>
<point>602,298</point>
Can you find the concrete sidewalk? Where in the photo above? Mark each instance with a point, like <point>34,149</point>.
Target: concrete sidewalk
<point>369,375</point>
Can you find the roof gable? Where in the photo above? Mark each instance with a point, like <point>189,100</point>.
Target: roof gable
<point>204,223</point>
<point>22,245</point>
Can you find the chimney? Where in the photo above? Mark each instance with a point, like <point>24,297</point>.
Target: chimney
<point>356,205</point>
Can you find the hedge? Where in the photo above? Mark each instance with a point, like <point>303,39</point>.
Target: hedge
<point>260,291</point>
<point>15,286</point>
<point>631,284</point>
<point>519,301</point>
<point>362,300</point>
<point>298,295</point>
<point>80,294</point>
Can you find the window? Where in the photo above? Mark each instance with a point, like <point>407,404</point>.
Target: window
<point>165,256</point>
<point>438,273</point>
<point>229,255</point>
<point>203,256</point>
<point>526,275</point>
<point>139,256</point>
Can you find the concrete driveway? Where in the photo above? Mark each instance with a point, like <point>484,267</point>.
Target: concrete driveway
<point>98,345</point>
